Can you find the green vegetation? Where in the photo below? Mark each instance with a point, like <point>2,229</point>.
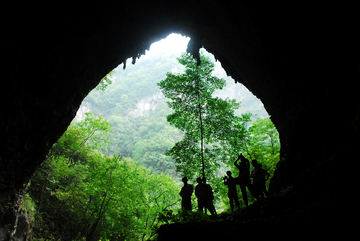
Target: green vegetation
<point>109,178</point>
<point>105,81</point>
<point>80,192</point>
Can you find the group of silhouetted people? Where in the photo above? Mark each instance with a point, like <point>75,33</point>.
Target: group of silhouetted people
<point>205,195</point>
<point>203,192</point>
<point>256,186</point>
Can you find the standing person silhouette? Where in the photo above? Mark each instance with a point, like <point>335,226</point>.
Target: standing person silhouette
<point>208,202</point>
<point>200,193</point>
<point>185,193</point>
<point>244,176</point>
<point>232,193</point>
<point>259,177</point>
<point>266,176</point>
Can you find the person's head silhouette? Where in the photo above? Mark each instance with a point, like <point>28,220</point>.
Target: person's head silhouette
<point>184,180</point>
<point>228,173</point>
<point>254,163</point>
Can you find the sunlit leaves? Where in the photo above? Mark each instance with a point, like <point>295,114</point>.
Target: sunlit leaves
<point>97,195</point>
<point>264,143</point>
<point>105,81</point>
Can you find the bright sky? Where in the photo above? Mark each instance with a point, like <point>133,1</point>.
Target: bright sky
<point>174,43</point>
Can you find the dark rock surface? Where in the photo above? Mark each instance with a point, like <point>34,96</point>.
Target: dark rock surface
<point>300,58</point>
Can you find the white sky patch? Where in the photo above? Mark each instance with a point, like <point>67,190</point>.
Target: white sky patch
<point>174,70</point>
<point>174,43</point>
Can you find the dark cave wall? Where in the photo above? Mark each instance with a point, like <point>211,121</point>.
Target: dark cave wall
<point>300,60</point>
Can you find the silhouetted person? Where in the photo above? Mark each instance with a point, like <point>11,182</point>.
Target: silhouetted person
<point>209,197</point>
<point>259,177</point>
<point>232,193</point>
<point>267,175</point>
<point>186,192</point>
<point>200,193</point>
<point>244,176</point>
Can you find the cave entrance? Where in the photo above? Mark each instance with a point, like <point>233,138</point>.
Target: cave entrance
<point>120,103</point>
<point>138,115</point>
<point>136,111</point>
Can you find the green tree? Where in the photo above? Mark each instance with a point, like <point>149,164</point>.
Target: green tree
<point>207,121</point>
<point>105,81</point>
<point>263,143</point>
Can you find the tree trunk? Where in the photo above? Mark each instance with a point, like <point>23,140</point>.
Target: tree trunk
<point>201,124</point>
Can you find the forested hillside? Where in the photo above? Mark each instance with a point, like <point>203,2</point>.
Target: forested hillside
<point>136,109</point>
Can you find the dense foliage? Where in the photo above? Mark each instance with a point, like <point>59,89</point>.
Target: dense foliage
<point>79,192</point>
